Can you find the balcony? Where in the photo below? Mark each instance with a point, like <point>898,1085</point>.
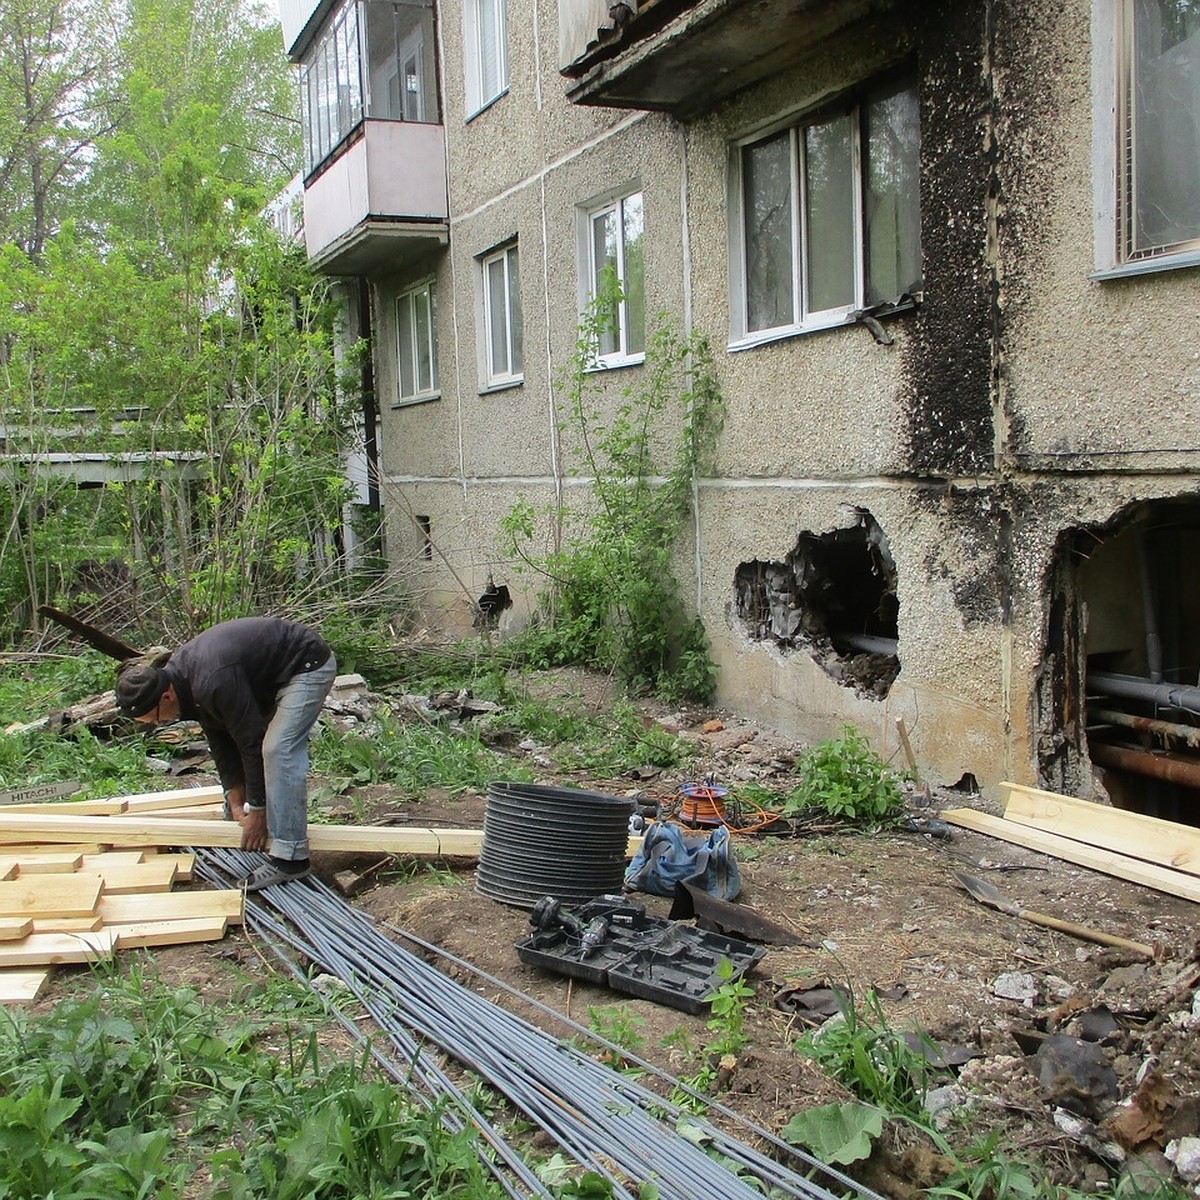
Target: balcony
<point>381,202</point>
<point>686,57</point>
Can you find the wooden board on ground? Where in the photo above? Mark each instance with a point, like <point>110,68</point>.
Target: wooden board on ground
<point>45,864</point>
<point>157,875</point>
<point>1164,842</point>
<point>47,949</point>
<point>24,849</point>
<point>68,924</point>
<point>229,903</point>
<point>166,831</point>
<point>13,929</point>
<point>51,895</point>
<point>168,933</point>
<point>22,987</point>
<point>111,858</point>
<point>1162,879</point>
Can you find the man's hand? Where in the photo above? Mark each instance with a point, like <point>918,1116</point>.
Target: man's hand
<point>236,799</point>
<point>254,828</point>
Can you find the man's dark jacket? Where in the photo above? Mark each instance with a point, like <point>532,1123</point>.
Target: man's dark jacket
<point>227,678</point>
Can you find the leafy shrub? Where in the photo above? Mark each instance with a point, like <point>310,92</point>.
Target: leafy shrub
<point>847,779</point>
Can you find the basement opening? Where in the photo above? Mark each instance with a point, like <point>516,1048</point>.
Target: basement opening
<point>833,596</point>
<point>1119,689</point>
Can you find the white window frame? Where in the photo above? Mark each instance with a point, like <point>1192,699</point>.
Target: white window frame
<point>1112,51</point>
<point>612,203</point>
<point>504,325</point>
<point>805,319</point>
<point>479,95</point>
<point>423,294</point>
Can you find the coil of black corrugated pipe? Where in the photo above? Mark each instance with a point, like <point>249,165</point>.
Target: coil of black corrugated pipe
<point>551,841</point>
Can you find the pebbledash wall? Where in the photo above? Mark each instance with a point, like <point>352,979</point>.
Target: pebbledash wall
<point>949,513</point>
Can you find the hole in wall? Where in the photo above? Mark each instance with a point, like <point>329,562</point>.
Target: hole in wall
<point>494,600</point>
<point>834,596</point>
<point>1124,650</point>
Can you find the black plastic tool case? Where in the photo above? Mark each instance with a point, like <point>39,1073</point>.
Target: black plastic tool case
<point>672,964</point>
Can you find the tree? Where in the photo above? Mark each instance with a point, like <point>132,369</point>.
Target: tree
<point>55,59</point>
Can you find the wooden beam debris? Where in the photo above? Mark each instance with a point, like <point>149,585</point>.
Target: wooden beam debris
<point>1164,842</point>
<point>1108,862</point>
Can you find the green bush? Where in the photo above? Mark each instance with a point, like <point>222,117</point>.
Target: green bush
<point>847,779</point>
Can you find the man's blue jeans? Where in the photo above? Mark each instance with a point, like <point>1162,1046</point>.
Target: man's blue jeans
<point>285,759</point>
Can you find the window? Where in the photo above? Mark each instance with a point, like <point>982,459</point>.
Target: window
<point>331,87</point>
<point>416,344</point>
<point>372,60</point>
<point>829,217</point>
<point>502,318</point>
<point>614,270</point>
<point>1158,129</point>
<point>486,51</point>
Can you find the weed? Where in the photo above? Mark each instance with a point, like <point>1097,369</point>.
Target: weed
<point>869,1057</point>
<point>847,779</point>
<point>622,742</point>
<point>728,1007</point>
<point>615,1023</point>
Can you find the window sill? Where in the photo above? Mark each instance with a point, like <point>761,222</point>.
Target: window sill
<point>839,320</point>
<point>503,385</point>
<point>484,106</point>
<point>615,364</point>
<point>410,401</point>
<point>1149,266</point>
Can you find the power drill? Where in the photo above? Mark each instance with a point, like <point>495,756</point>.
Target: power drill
<point>549,912</point>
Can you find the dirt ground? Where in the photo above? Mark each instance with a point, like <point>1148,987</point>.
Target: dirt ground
<point>876,911</point>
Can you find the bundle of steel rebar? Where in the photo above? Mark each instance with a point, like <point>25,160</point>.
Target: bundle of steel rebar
<point>607,1122</point>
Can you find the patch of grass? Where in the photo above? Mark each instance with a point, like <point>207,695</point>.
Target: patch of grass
<point>623,742</point>
<point>29,690</point>
<point>409,756</point>
<point>617,1024</point>
<point>135,1088</point>
<point>102,768</point>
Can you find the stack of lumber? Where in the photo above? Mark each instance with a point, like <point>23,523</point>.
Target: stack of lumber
<point>78,901</point>
<point>1158,854</point>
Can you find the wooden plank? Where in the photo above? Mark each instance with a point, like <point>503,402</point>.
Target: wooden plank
<point>24,849</point>
<point>79,808</point>
<point>22,987</point>
<point>111,858</point>
<point>158,875</point>
<point>185,866</point>
<point>46,949</point>
<point>13,929</point>
<point>48,864</point>
<point>51,895</point>
<point>168,933</point>
<point>229,903</point>
<point>1164,842</point>
<point>148,802</point>
<point>193,813</point>
<point>8,869</point>
<point>68,924</point>
<point>1162,879</point>
<point>166,831</point>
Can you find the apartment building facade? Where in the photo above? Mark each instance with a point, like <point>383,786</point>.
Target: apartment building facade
<point>946,253</point>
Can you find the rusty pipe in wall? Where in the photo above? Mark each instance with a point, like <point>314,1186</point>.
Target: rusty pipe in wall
<point>1189,734</point>
<point>1170,767</point>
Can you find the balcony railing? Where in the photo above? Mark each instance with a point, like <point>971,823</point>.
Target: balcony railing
<point>380,202</point>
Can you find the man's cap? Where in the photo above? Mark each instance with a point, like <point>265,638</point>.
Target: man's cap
<point>140,686</point>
